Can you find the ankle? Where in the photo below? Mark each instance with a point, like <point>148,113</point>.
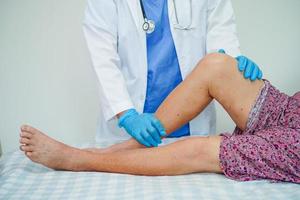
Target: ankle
<point>71,161</point>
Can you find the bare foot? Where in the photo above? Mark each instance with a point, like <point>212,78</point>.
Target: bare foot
<point>42,149</point>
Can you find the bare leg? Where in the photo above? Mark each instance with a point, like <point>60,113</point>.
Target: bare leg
<point>180,157</point>
<point>215,77</point>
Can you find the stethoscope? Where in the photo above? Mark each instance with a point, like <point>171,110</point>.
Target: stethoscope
<point>149,25</point>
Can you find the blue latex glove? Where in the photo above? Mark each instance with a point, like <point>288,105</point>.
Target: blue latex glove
<point>145,128</point>
<point>250,69</point>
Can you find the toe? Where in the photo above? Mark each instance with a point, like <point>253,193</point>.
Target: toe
<point>26,148</point>
<point>29,154</point>
<point>25,128</point>
<point>24,134</point>
<point>30,129</point>
<point>24,140</point>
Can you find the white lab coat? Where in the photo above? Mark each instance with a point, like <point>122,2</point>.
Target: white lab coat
<point>117,45</point>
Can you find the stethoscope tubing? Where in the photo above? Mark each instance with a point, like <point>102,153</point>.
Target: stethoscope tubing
<point>149,25</point>
<point>143,9</point>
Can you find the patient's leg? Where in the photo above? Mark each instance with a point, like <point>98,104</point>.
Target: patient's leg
<point>182,157</point>
<point>215,77</point>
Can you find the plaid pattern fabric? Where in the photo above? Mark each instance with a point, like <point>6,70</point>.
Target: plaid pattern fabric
<point>22,179</point>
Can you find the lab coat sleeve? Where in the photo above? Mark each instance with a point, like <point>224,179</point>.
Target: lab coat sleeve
<point>101,34</point>
<point>221,28</point>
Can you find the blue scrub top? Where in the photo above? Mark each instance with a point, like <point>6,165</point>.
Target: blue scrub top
<point>163,66</point>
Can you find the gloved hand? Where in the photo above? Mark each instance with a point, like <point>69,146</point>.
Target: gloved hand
<point>250,69</point>
<point>145,128</point>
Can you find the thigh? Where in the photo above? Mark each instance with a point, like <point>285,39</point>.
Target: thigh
<point>291,115</point>
<point>236,94</point>
<point>268,154</point>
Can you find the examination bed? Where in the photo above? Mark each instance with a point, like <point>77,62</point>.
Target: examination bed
<point>22,179</point>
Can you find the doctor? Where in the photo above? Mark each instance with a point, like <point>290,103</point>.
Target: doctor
<point>142,49</point>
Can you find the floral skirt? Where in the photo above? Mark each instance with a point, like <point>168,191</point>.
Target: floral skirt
<point>269,147</point>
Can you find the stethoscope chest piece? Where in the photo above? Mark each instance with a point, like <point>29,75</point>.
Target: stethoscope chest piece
<point>149,26</point>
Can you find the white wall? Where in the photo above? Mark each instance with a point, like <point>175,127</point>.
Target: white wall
<point>46,78</point>
<point>269,34</point>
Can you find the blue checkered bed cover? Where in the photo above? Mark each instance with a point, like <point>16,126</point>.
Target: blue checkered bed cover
<point>22,179</point>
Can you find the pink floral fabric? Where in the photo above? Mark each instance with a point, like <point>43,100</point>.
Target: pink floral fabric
<point>269,148</point>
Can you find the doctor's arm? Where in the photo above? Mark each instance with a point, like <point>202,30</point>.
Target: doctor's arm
<point>222,34</point>
<point>100,30</point>
<point>101,33</point>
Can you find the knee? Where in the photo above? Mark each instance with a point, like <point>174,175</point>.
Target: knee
<point>217,65</point>
<point>215,58</point>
